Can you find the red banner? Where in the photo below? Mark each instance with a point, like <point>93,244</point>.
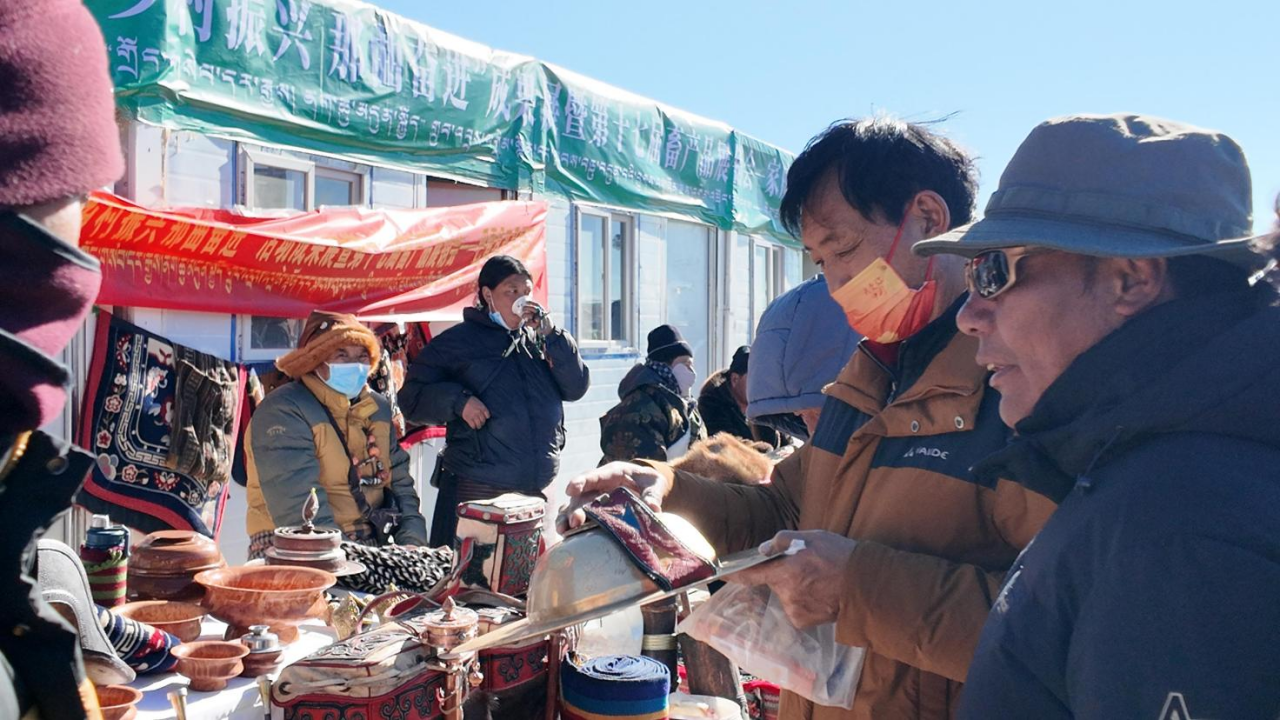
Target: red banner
<point>367,262</point>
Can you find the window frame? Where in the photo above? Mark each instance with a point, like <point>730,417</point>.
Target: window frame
<point>360,178</point>
<point>628,275</point>
<point>711,276</point>
<point>245,351</point>
<point>252,157</point>
<point>774,279</point>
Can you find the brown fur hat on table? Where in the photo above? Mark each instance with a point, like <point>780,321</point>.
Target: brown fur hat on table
<point>728,458</point>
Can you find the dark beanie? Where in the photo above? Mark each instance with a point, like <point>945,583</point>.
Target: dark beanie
<point>666,344</point>
<point>741,357</point>
<point>58,133</point>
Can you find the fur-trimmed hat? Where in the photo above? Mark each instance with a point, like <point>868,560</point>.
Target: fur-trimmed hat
<point>322,335</point>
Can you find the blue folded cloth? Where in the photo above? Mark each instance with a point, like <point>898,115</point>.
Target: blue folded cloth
<point>614,686</point>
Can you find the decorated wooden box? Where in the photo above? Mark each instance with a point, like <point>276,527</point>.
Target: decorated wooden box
<point>506,535</point>
<point>518,673</point>
<point>387,673</point>
<point>382,673</point>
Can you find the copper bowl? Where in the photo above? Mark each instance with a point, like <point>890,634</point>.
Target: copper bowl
<point>210,663</point>
<point>180,619</point>
<point>117,701</point>
<point>164,565</point>
<point>276,595</point>
<point>263,663</point>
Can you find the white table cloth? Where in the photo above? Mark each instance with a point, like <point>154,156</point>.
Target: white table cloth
<point>240,699</point>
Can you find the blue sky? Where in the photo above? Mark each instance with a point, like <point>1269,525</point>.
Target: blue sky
<point>783,71</point>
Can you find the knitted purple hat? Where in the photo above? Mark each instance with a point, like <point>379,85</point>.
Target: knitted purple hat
<point>58,134</point>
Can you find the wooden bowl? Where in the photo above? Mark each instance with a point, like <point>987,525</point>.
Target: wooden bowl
<point>210,663</point>
<point>180,619</point>
<point>117,702</point>
<point>277,595</point>
<point>263,663</point>
<point>164,565</point>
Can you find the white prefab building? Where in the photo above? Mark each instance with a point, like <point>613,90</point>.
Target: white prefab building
<point>614,272</point>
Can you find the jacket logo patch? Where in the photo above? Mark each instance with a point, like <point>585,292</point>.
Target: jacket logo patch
<point>275,431</point>
<point>1175,708</point>
<point>932,452</point>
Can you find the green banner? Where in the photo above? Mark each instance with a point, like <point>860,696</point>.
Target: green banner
<point>344,77</point>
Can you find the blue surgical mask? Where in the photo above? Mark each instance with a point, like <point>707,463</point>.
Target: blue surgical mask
<point>496,317</point>
<point>348,378</point>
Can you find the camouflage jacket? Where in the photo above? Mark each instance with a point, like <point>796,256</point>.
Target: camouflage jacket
<point>649,420</point>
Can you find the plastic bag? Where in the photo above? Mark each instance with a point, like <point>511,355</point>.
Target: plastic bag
<point>746,624</point>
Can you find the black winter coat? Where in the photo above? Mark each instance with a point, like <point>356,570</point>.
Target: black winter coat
<point>721,413</point>
<point>1154,590</point>
<point>519,447</point>
<point>40,665</point>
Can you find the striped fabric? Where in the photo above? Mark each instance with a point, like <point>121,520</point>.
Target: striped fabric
<point>140,646</point>
<point>614,686</point>
<point>106,569</point>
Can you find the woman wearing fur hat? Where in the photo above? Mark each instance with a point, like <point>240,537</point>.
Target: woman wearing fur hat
<point>329,432</point>
<point>499,381</point>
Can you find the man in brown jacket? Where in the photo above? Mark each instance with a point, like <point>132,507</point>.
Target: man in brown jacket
<point>904,548</point>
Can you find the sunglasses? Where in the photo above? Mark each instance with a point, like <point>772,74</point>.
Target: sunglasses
<point>992,272</point>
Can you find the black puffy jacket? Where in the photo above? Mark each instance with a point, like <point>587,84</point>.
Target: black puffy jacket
<point>519,447</point>
<point>1152,591</point>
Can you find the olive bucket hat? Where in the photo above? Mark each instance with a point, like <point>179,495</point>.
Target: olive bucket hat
<point>1117,186</point>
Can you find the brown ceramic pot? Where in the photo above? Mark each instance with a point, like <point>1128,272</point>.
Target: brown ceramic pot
<point>118,702</point>
<point>164,565</point>
<point>296,540</point>
<point>277,595</point>
<point>210,663</point>
<point>180,619</point>
<point>262,663</point>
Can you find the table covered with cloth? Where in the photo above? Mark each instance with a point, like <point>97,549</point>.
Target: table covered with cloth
<point>240,699</point>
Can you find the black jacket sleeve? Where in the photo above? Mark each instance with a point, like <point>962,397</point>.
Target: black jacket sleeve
<point>430,395</point>
<point>572,376</point>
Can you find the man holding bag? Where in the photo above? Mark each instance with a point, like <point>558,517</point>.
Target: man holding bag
<point>904,548</point>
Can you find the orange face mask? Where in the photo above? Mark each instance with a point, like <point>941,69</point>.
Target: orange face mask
<point>879,305</point>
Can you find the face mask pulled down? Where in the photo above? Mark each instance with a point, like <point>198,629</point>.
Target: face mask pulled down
<point>880,306</point>
<point>348,378</point>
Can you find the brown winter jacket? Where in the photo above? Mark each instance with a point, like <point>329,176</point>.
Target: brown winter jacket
<point>933,543</point>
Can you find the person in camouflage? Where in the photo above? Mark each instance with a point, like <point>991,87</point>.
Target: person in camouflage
<point>655,419</point>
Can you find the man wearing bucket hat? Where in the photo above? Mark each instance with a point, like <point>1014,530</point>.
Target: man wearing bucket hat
<point>904,548</point>
<point>328,432</point>
<point>1110,295</point>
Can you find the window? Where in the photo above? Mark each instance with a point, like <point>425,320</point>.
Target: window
<point>794,262</point>
<point>284,182</point>
<point>395,188</point>
<point>604,276</point>
<point>766,280</point>
<point>267,338</point>
<point>340,187</point>
<point>740,330</point>
<point>277,181</point>
<point>687,301</point>
<point>444,193</point>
